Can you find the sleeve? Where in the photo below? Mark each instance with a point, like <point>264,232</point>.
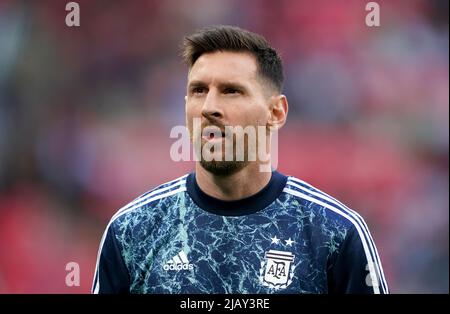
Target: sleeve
<point>111,274</point>
<point>356,268</point>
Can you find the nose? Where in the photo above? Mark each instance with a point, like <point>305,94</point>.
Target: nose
<point>211,107</point>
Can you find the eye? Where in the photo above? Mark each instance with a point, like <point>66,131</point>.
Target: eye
<point>231,90</point>
<point>198,90</point>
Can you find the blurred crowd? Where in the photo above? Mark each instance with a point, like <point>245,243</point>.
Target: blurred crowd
<point>86,113</point>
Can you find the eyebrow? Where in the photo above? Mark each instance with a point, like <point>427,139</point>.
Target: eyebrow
<point>228,84</point>
<point>196,84</point>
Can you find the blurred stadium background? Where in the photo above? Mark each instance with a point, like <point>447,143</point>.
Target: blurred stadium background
<point>85,116</point>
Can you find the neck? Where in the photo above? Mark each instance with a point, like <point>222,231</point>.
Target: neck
<point>244,183</point>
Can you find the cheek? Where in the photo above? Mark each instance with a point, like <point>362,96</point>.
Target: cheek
<point>190,110</point>
<point>193,110</point>
<point>191,113</point>
<point>257,115</point>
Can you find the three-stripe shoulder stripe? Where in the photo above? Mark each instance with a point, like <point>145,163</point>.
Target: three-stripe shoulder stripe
<point>163,187</point>
<point>153,196</point>
<point>142,200</point>
<point>313,190</point>
<point>367,242</point>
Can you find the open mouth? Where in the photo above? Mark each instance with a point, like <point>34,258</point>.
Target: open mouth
<point>212,133</point>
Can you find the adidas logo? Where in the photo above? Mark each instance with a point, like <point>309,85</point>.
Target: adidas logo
<point>178,262</point>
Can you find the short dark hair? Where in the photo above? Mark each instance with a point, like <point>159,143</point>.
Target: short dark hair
<point>232,38</point>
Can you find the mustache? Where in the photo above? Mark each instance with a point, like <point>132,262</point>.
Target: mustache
<point>212,122</point>
<point>221,127</point>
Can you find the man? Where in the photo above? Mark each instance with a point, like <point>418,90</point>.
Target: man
<point>230,226</point>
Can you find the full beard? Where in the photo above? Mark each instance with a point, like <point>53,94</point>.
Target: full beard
<point>221,166</point>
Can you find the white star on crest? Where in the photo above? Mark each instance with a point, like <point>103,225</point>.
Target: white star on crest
<point>289,242</point>
<point>275,240</point>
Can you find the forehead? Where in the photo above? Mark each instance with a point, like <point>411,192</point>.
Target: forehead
<point>224,66</point>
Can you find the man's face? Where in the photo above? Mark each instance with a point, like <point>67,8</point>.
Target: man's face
<point>224,90</point>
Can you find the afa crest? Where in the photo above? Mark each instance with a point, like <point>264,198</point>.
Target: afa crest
<point>277,269</point>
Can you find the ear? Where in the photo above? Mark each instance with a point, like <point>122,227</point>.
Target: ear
<point>278,112</point>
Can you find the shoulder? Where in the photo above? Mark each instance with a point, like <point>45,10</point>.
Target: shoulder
<point>319,202</point>
<point>142,205</point>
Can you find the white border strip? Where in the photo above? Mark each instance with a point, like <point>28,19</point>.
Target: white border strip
<point>373,275</point>
<point>156,190</point>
